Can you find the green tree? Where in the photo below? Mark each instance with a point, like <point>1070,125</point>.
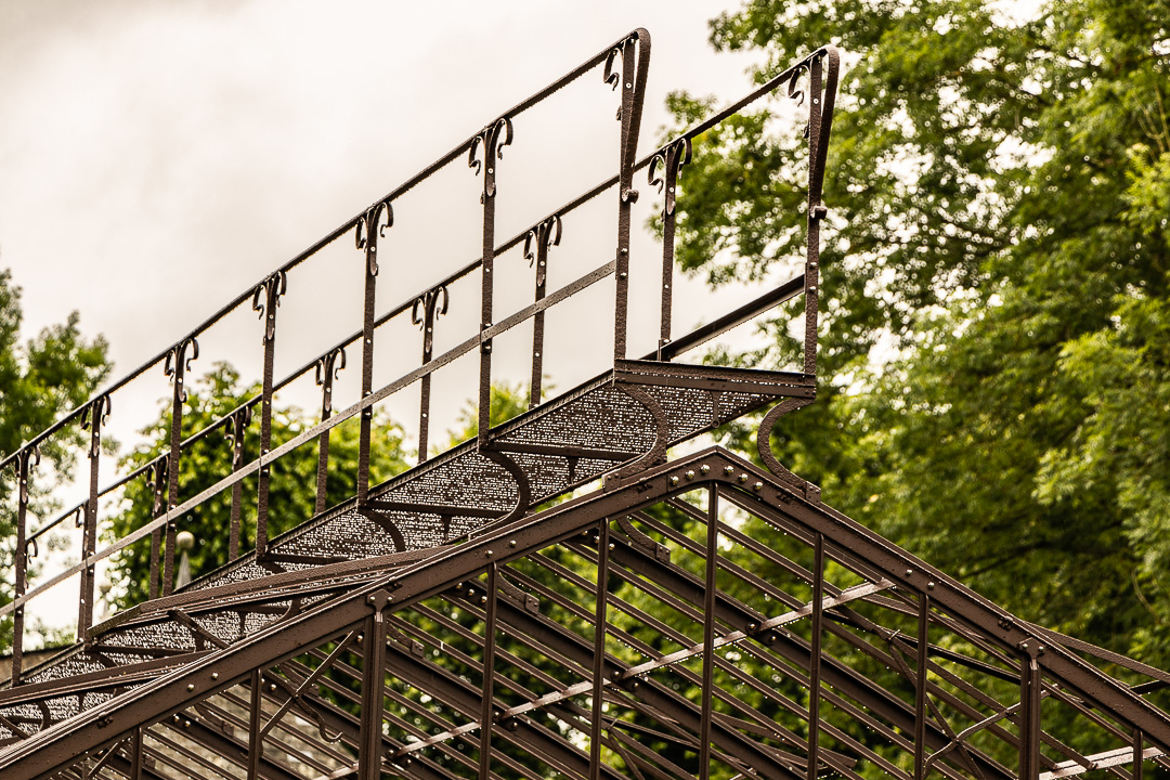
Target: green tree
<point>995,359</point>
<point>293,482</point>
<point>40,380</point>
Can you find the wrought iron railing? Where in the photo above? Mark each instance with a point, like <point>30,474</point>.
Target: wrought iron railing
<point>624,65</point>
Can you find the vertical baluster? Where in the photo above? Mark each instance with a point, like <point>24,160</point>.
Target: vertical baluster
<point>1138,755</point>
<point>1031,685</point>
<point>712,552</point>
<point>815,213</point>
<point>367,230</point>
<point>920,688</point>
<point>543,237</point>
<point>94,418</point>
<point>25,459</point>
<point>266,299</point>
<point>235,429</point>
<point>136,754</point>
<point>670,159</point>
<point>177,364</point>
<point>426,309</point>
<point>493,139</point>
<point>487,715</point>
<point>328,367</point>
<point>814,685</point>
<point>600,627</point>
<point>255,715</point>
<point>156,479</point>
<point>632,82</point>
<point>373,691</point>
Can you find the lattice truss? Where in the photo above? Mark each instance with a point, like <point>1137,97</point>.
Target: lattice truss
<point>729,598</point>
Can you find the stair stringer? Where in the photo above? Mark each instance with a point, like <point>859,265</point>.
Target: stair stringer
<point>889,566</point>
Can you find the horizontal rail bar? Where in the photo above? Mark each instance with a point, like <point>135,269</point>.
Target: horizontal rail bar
<point>748,311</point>
<point>456,152</point>
<point>1110,758</point>
<point>697,337</point>
<point>306,436</point>
<point>673,349</point>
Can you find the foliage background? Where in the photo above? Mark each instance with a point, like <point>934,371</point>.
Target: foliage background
<point>994,352</point>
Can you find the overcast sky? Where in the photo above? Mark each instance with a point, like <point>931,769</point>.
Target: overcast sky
<point>158,158</point>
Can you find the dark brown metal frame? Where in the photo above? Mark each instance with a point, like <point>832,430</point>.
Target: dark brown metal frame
<point>206,680</point>
<point>893,580</point>
<point>625,65</point>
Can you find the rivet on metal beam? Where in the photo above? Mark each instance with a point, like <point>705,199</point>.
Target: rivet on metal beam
<point>704,469</point>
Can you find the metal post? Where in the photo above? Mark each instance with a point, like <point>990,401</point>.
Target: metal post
<point>373,692</point>
<point>814,685</point>
<point>328,367</point>
<point>709,631</point>
<point>155,479</point>
<point>136,754</point>
<point>633,87</point>
<point>626,197</point>
<point>27,457</point>
<point>425,310</point>
<point>599,631</point>
<point>671,159</point>
<point>235,429</point>
<point>920,688</point>
<point>493,139</point>
<point>1138,750</point>
<point>367,231</point>
<point>176,366</point>
<point>486,715</point>
<point>265,300</point>
<point>815,213</point>
<point>1031,685</point>
<point>545,235</point>
<point>255,740</point>
<point>94,417</point>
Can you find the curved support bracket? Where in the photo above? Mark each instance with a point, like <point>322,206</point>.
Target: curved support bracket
<point>493,139</point>
<point>764,448</point>
<point>523,486</point>
<point>265,299</point>
<point>386,524</point>
<point>657,452</point>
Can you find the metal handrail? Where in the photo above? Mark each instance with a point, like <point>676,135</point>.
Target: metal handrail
<point>165,519</point>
